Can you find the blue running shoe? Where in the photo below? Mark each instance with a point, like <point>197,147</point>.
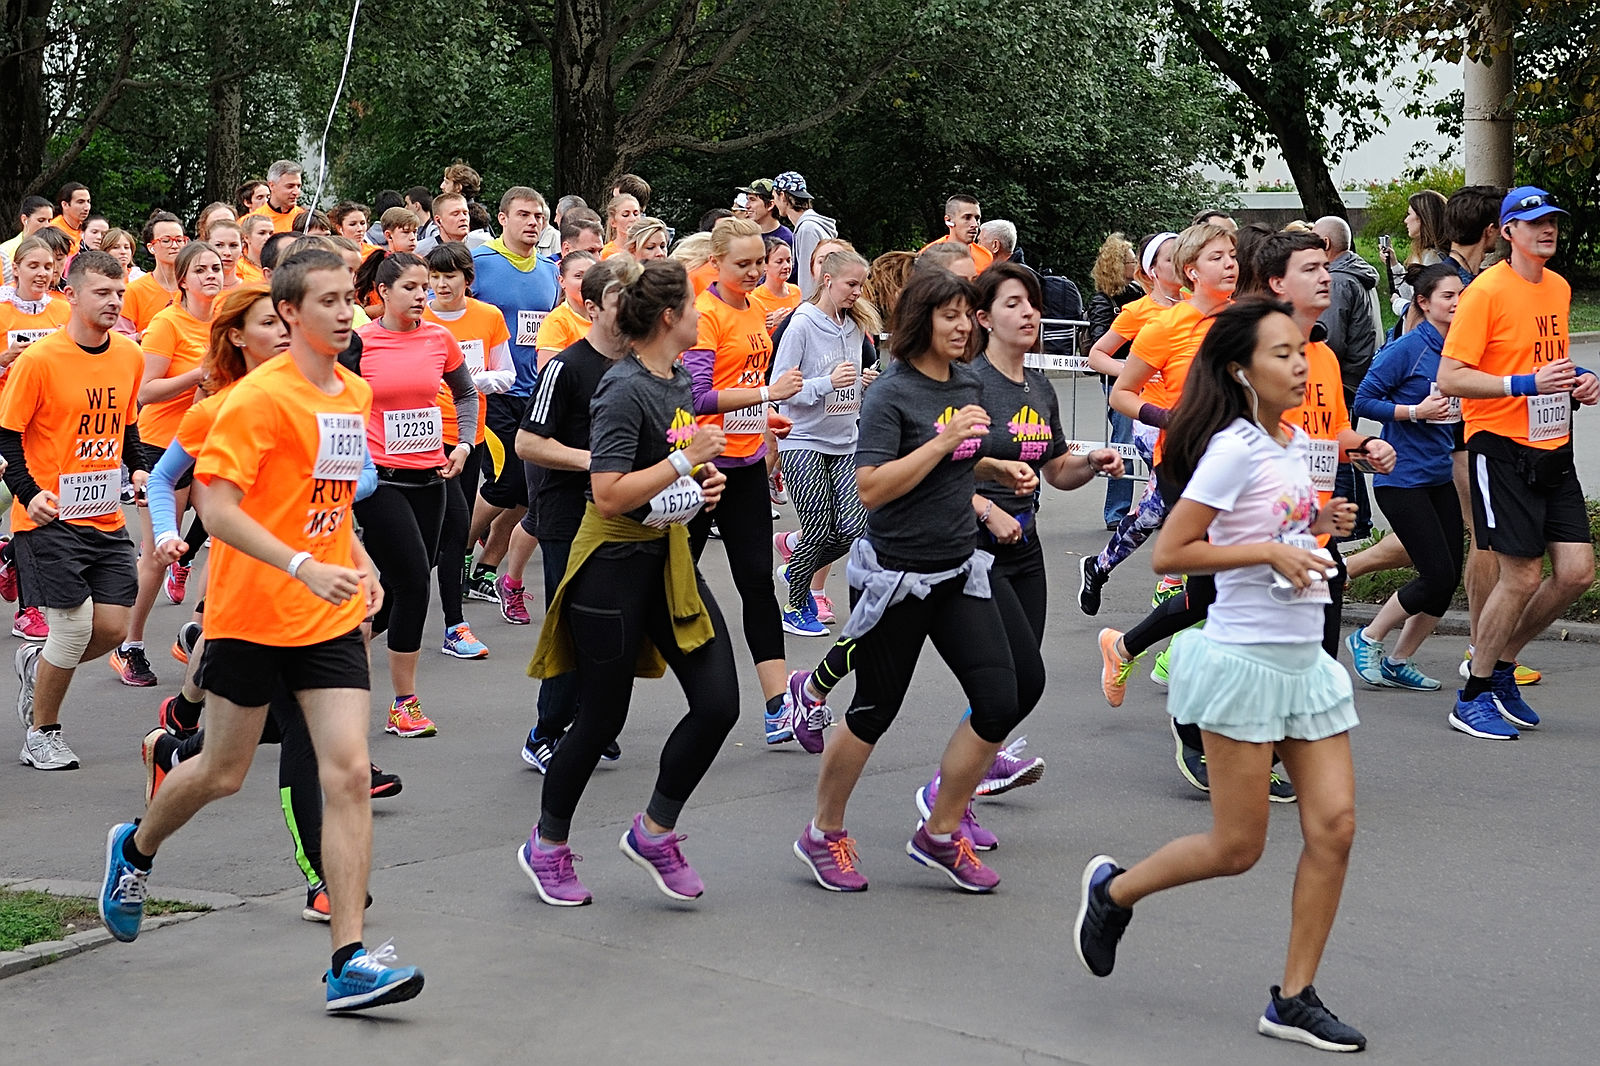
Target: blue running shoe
<point>1406,675</point>
<point>1512,706</point>
<point>1481,718</point>
<point>780,725</point>
<point>804,623</point>
<point>1368,657</point>
<point>371,980</point>
<point>122,893</point>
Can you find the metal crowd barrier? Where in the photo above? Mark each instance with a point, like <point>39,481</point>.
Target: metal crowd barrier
<point>1058,356</point>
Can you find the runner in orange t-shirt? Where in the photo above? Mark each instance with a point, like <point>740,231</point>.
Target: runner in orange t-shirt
<point>280,465</point>
<point>775,296</point>
<point>962,219</point>
<point>164,238</point>
<point>728,369</point>
<point>567,323</point>
<point>284,180</point>
<point>73,207</point>
<point>30,311</point>
<point>1506,356</point>
<point>66,428</point>
<point>175,344</point>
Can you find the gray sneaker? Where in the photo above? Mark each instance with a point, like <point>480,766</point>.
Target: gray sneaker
<point>47,750</point>
<point>27,670</point>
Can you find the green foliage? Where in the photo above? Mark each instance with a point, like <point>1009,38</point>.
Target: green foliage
<point>1386,210</point>
<point>33,917</point>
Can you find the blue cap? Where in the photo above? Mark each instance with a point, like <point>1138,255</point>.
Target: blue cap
<point>1526,203</point>
<point>793,183</point>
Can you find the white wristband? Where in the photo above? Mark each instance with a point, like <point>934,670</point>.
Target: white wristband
<point>1413,412</point>
<point>164,537</point>
<point>766,394</point>
<point>299,560</point>
<point>680,463</point>
<point>1508,384</point>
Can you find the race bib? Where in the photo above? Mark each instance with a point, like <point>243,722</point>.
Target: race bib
<point>90,494</point>
<point>746,420</point>
<point>417,430</point>
<point>1316,592</point>
<point>528,323</point>
<point>675,504</point>
<point>341,447</point>
<point>1549,417</point>
<point>1322,460</point>
<point>1451,416</point>
<point>26,336</point>
<point>472,352</point>
<point>845,401</point>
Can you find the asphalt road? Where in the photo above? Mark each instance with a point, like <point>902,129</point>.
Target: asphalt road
<point>1466,933</point>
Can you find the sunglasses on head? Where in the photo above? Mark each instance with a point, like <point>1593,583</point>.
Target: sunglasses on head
<point>1541,200</point>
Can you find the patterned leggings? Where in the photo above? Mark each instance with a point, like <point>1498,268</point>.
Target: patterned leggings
<point>1137,526</point>
<point>823,489</point>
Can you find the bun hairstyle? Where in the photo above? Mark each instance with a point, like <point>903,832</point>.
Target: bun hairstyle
<point>646,292</point>
<point>601,279</point>
<point>384,268</point>
<point>1424,280</point>
<point>148,234</point>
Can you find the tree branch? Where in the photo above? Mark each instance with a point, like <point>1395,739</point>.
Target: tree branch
<point>91,121</point>
<point>1229,64</point>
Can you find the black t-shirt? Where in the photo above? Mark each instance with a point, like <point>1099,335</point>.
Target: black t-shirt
<point>560,411</point>
<point>636,419</point>
<point>1024,423</point>
<point>904,409</point>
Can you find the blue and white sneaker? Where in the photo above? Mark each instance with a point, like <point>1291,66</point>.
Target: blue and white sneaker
<point>537,751</point>
<point>122,892</point>
<point>459,642</point>
<point>1481,718</point>
<point>1512,706</point>
<point>1368,658</point>
<point>780,726</point>
<point>803,623</point>
<point>1406,675</point>
<point>371,980</point>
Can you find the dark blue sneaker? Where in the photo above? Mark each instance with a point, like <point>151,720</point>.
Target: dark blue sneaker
<point>1481,718</point>
<point>370,980</point>
<point>779,727</point>
<point>122,893</point>
<point>1512,706</point>
<point>537,751</point>
<point>1305,1020</point>
<point>1100,922</point>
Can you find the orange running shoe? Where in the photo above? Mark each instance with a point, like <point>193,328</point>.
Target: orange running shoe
<point>1114,668</point>
<point>407,720</point>
<point>154,772</point>
<point>317,908</point>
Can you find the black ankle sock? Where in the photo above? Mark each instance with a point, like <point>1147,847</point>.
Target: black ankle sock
<point>1476,686</point>
<point>775,704</point>
<point>490,572</point>
<point>187,711</point>
<point>138,858</point>
<point>1501,664</point>
<point>344,955</point>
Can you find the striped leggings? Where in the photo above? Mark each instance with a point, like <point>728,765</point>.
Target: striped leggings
<point>823,490</point>
<point>1142,519</point>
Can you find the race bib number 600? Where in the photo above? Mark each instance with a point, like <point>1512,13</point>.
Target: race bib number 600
<point>528,323</point>
<point>341,447</point>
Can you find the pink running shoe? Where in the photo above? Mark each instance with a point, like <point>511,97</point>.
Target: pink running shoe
<point>832,860</point>
<point>956,860</point>
<point>982,839</point>
<point>780,544</point>
<point>663,861</point>
<point>824,607</point>
<point>810,717</point>
<point>177,582</point>
<point>8,577</point>
<point>513,602</point>
<point>1010,770</point>
<point>29,624</point>
<point>552,874</point>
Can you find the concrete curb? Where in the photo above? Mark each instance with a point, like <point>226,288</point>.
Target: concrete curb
<point>45,952</point>
<point>1455,624</point>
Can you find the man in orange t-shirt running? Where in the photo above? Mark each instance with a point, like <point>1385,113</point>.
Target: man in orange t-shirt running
<point>963,218</point>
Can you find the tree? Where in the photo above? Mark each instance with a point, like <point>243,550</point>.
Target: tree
<point>1290,65</point>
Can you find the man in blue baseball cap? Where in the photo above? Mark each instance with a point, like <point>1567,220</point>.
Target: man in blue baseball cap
<point>810,228</point>
<point>1506,355</point>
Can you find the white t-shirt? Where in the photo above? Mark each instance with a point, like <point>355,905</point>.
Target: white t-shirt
<point>1262,491</point>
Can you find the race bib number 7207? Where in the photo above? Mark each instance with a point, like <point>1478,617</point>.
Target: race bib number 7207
<point>89,494</point>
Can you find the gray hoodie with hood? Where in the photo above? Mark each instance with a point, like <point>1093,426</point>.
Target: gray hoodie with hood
<point>1352,319</point>
<point>810,230</point>
<point>816,344</point>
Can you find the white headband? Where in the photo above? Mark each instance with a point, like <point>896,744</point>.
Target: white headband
<point>1152,249</point>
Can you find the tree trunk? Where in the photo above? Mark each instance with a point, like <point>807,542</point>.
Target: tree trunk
<point>1486,128</point>
<point>223,169</point>
<point>585,110</point>
<point>22,118</point>
<point>1319,194</point>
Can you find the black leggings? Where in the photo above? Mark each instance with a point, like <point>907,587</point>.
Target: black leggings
<point>1428,522</point>
<point>988,644</point>
<point>452,549</point>
<point>744,515</point>
<point>299,786</point>
<point>612,607</point>
<point>400,528</point>
<point>195,538</point>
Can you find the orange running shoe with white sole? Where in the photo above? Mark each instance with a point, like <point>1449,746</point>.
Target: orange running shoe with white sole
<point>407,720</point>
<point>1114,669</point>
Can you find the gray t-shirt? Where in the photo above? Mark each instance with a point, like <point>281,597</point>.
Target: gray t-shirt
<point>933,522</point>
<point>1024,423</point>
<point>636,419</point>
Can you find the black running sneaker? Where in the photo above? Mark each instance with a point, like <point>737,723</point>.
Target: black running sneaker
<point>1281,790</point>
<point>537,752</point>
<point>1100,922</point>
<point>1191,763</point>
<point>611,752</point>
<point>1094,579</point>
<point>1305,1020</point>
<point>384,785</point>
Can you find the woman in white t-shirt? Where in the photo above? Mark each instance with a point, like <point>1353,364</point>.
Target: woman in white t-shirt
<point>1256,678</point>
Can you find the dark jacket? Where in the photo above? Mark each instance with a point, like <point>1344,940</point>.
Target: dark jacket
<point>1351,318</point>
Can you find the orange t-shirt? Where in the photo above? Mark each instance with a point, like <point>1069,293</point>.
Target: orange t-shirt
<point>1135,315</point>
<point>560,328</point>
<point>15,326</point>
<point>281,220</point>
<point>1168,343</point>
<point>982,258</point>
<point>248,272</point>
<point>197,420</point>
<point>770,303</point>
<point>183,340</point>
<point>703,276</point>
<point>144,298</point>
<point>60,223</point>
<point>609,249</point>
<point>1505,324</point>
<point>297,453</point>
<point>1323,416</point>
<point>72,408</point>
<point>741,354</point>
<point>480,328</point>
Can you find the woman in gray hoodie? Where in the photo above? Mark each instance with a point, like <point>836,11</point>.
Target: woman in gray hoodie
<point>824,338</point>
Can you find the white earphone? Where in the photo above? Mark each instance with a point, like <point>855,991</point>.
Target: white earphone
<point>1242,379</point>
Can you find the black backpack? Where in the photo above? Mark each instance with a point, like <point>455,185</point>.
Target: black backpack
<point>1063,301</point>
